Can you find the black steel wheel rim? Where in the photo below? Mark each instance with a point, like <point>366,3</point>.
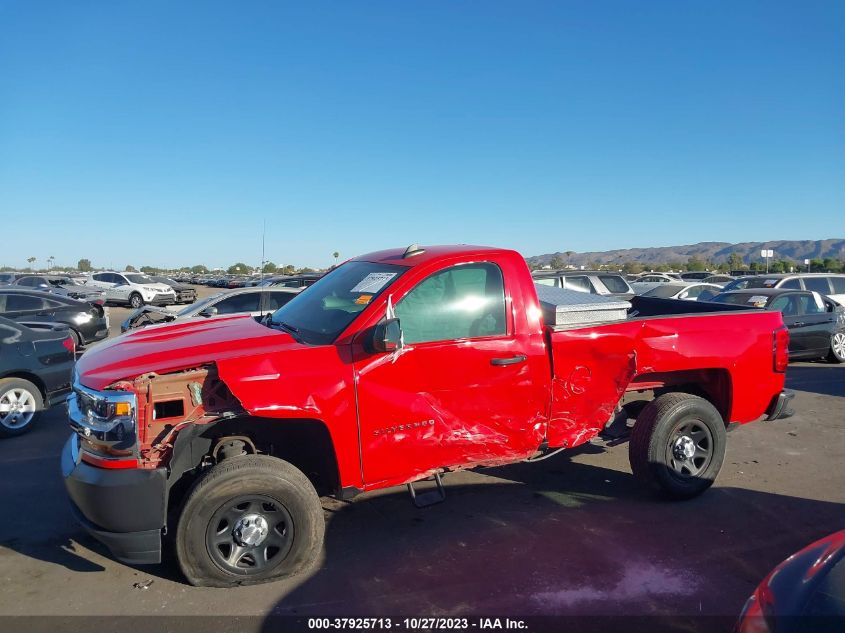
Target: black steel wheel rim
<point>689,450</point>
<point>234,535</point>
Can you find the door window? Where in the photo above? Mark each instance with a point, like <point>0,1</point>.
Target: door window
<point>614,283</point>
<point>838,285</point>
<point>20,303</point>
<point>785,304</point>
<point>546,281</point>
<point>275,300</point>
<point>792,284</point>
<point>244,302</point>
<point>466,301</point>
<point>581,284</point>
<point>811,304</point>
<point>818,284</point>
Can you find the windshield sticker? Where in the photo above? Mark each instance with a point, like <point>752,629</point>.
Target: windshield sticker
<point>759,301</point>
<point>364,299</point>
<point>373,282</point>
<point>769,282</point>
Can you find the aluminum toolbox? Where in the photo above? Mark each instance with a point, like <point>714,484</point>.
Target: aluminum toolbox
<point>568,308</point>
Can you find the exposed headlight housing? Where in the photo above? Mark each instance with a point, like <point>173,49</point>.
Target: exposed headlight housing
<point>105,420</point>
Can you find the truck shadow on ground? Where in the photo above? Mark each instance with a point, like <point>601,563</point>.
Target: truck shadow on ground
<point>559,537</point>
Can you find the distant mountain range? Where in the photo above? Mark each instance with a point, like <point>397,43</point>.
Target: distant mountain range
<point>716,252</point>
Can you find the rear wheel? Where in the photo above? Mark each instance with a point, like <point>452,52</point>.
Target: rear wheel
<point>250,519</point>
<point>678,445</point>
<point>837,348</point>
<point>75,337</point>
<point>20,405</point>
<point>136,300</point>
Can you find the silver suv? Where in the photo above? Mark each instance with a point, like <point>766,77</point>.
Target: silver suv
<point>599,282</point>
<point>134,289</point>
<point>828,284</point>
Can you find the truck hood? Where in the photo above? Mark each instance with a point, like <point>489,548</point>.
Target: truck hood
<point>180,345</point>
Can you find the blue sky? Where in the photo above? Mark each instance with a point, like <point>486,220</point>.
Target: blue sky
<point>162,133</point>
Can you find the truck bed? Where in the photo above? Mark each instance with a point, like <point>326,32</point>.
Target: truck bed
<point>713,350</point>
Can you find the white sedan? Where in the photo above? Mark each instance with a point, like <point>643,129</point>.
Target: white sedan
<point>684,291</point>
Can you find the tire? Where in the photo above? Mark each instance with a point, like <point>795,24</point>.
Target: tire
<point>667,430</point>
<point>12,391</point>
<point>221,543</point>
<point>136,300</point>
<point>77,339</point>
<point>837,348</point>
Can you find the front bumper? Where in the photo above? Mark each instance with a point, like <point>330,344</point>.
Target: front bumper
<point>161,299</point>
<point>186,296</point>
<point>124,509</point>
<point>779,407</point>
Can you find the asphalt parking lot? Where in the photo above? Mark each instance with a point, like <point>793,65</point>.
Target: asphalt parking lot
<point>572,535</point>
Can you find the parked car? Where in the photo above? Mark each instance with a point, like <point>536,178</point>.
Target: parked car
<point>601,282</point>
<point>651,280</point>
<point>133,289</point>
<point>254,301</point>
<point>685,291</point>
<point>695,275</point>
<point>35,372</point>
<point>719,280</point>
<point>184,292</point>
<point>828,284</point>
<point>61,285</point>
<point>816,323</point>
<point>7,278</point>
<point>87,322</point>
<point>302,280</point>
<point>803,594</point>
<point>397,366</point>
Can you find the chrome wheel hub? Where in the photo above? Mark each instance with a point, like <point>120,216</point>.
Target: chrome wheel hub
<point>839,344</point>
<point>250,530</point>
<point>683,448</point>
<point>17,408</point>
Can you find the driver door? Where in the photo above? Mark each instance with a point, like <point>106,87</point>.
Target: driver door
<point>464,389</point>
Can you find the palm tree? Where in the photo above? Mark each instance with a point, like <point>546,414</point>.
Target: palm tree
<point>50,261</point>
<point>335,255</point>
<point>31,261</point>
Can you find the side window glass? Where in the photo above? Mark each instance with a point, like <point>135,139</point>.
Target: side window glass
<point>581,284</point>
<point>792,284</point>
<point>784,304</point>
<point>275,300</point>
<point>15,303</point>
<point>244,302</point>
<point>817,284</point>
<point>838,285</point>
<point>811,304</point>
<point>546,281</point>
<point>465,301</point>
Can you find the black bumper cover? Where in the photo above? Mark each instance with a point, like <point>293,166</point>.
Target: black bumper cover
<point>123,509</point>
<point>779,408</point>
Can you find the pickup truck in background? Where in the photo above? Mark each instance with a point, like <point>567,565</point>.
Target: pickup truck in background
<point>395,367</point>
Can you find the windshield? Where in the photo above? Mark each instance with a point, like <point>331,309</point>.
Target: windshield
<point>139,279</point>
<point>663,291</point>
<point>199,305</point>
<point>323,310</point>
<point>742,299</point>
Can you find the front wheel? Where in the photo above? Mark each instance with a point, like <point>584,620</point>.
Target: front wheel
<point>248,520</point>
<point>837,348</point>
<point>678,445</point>
<point>20,405</point>
<point>136,300</point>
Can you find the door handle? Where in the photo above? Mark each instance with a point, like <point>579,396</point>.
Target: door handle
<point>798,323</point>
<point>513,360</point>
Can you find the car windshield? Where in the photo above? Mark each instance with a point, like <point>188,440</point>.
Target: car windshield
<point>323,310</point>
<point>199,305</point>
<point>663,291</point>
<point>139,279</point>
<point>748,299</point>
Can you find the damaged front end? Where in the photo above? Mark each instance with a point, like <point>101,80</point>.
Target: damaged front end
<point>133,423</point>
<point>148,315</point>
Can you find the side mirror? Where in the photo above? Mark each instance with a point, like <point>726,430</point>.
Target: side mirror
<point>208,312</point>
<point>387,336</point>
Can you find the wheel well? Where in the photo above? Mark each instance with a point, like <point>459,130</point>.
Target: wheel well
<point>35,380</point>
<point>714,385</point>
<point>305,443</point>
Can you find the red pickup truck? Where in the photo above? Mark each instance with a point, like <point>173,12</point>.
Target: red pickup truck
<point>395,367</point>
